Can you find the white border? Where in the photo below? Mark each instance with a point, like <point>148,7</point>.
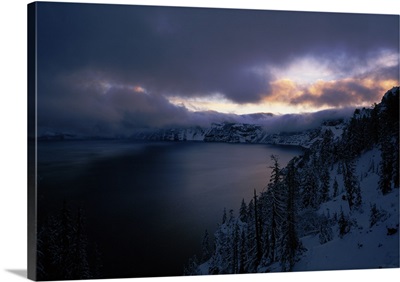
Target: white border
<point>13,110</point>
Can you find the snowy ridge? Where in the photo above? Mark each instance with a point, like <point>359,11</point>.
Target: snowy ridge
<point>239,133</point>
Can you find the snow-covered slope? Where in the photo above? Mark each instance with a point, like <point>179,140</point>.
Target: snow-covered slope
<point>365,246</point>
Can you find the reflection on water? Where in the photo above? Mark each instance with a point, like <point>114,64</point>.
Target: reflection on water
<point>148,204</point>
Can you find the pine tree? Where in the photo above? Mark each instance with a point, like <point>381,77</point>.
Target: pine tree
<point>353,190</point>
<point>389,141</point>
<point>310,190</point>
<point>236,249</point>
<point>231,216</point>
<point>243,212</point>
<point>205,246</point>
<point>224,216</point>
<point>325,232</point>
<point>242,261</point>
<point>277,207</point>
<point>344,225</point>
<point>386,167</point>
<point>250,264</point>
<point>257,228</point>
<point>290,241</point>
<point>325,183</point>
<point>375,215</point>
<point>335,188</point>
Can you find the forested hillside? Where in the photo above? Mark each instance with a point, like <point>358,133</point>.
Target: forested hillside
<point>334,207</point>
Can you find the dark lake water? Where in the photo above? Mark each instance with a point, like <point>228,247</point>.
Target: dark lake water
<point>148,205</point>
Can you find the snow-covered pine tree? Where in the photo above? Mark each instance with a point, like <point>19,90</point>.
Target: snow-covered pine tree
<point>205,247</point>
<point>243,212</point>
<point>250,263</point>
<point>277,206</point>
<point>376,215</point>
<point>343,223</point>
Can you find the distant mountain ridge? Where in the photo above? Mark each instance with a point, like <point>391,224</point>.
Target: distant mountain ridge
<point>239,133</point>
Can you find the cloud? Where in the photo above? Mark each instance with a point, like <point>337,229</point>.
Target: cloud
<point>192,52</point>
<point>107,69</point>
<point>98,107</point>
<point>103,108</point>
<point>304,121</point>
<point>360,84</point>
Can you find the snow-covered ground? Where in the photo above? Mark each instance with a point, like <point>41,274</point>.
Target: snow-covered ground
<point>364,246</point>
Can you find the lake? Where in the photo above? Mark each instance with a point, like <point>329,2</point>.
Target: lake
<point>147,205</point>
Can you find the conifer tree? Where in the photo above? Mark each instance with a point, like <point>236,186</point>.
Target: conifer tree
<point>386,167</point>
<point>310,190</point>
<point>335,188</point>
<point>205,246</point>
<point>224,216</point>
<point>344,225</point>
<point>242,260</point>
<point>325,231</point>
<point>277,207</point>
<point>243,212</point>
<point>290,241</point>
<point>353,190</point>
<point>257,228</point>
<point>250,264</point>
<point>325,183</point>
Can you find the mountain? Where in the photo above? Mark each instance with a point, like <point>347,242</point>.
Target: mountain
<point>334,207</point>
<point>239,133</point>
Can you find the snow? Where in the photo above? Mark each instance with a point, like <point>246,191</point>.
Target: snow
<point>363,246</point>
<point>337,130</point>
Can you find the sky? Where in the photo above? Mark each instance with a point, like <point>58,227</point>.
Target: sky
<point>107,70</point>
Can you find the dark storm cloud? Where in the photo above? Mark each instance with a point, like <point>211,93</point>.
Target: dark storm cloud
<point>183,52</point>
<point>92,108</point>
<point>189,51</point>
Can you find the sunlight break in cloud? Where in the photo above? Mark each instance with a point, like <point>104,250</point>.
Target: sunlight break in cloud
<point>305,70</point>
<point>221,104</point>
<point>315,84</point>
